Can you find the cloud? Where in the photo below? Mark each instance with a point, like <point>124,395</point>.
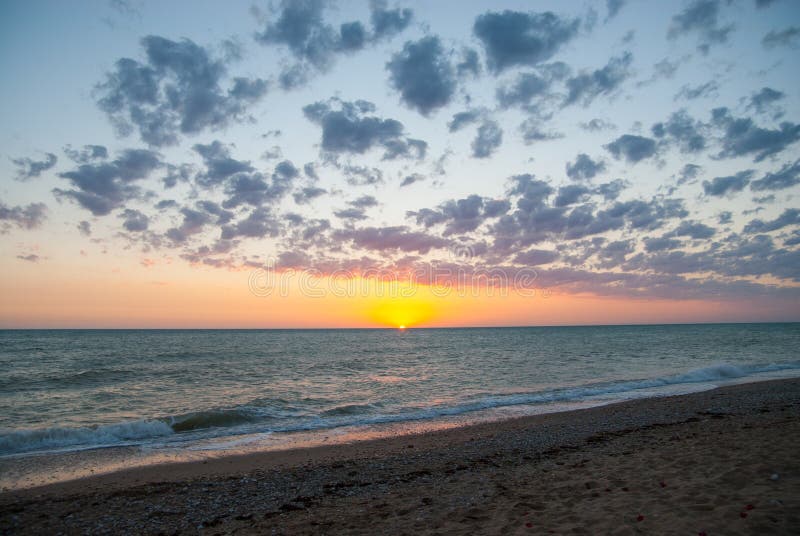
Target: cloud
<point>28,168</point>
<point>532,131</point>
<point>463,119</point>
<point>720,186</point>
<point>487,140</point>
<point>536,257</point>
<point>362,175</point>
<point>570,194</point>
<point>135,221</point>
<point>532,90</point>
<point>177,91</point>
<point>685,131</point>
<point>584,168</point>
<point>461,215</point>
<point>786,177</point>
<point>696,92</point>
<point>688,173</point>
<point>307,194</point>
<point>85,228</point>
<point>347,129</point>
<point>587,86</point>
<point>88,153</point>
<point>470,63</point>
<point>662,243</point>
<point>701,17</point>
<point>408,180</point>
<point>694,229</point>
<point>259,223</point>
<point>423,74</point>
<point>790,216</point>
<point>514,38</point>
<point>764,100</point>
<point>632,148</point>
<point>24,217</point>
<point>104,186</point>
<point>782,38</point>
<point>387,23</point>
<point>613,7</point>
<point>396,238</point>
<point>597,125</point>
<point>219,164</point>
<point>741,136</point>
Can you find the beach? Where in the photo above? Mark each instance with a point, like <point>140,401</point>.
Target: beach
<point>716,462</point>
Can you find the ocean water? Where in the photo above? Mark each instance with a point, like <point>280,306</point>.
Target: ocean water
<point>179,390</point>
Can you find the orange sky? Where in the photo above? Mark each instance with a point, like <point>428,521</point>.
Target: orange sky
<point>178,296</point>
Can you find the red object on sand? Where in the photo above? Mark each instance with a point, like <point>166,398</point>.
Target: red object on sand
<point>702,533</point>
<point>640,518</point>
<point>662,484</point>
<point>529,524</point>
<point>743,515</point>
<point>749,507</point>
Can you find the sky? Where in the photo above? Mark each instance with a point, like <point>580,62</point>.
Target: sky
<point>314,163</point>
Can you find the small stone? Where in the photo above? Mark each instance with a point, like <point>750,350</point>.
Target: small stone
<point>774,476</point>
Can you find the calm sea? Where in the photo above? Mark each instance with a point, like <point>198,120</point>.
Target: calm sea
<point>65,390</point>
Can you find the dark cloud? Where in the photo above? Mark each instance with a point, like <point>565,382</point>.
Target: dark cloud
<point>23,217</point>
<point>701,17</point>
<point>587,86</point>
<point>720,186</point>
<point>408,180</point>
<point>725,217</point>
<point>397,238</point>
<point>532,131</point>
<point>694,229</point>
<point>611,190</point>
<point>32,257</point>
<point>632,148</point>
<point>165,204</point>
<point>314,44</point>
<point>683,130</point>
<point>584,168</point>
<point>514,38</point>
<point>662,243</point>
<point>307,194</point>
<point>741,136</point>
<point>570,194</point>
<point>786,177</point>
<point>362,175</point>
<point>760,4</point>
<point>463,119</point>
<point>782,38</point>
<point>764,100</point>
<point>470,63</point>
<point>461,215</point>
<point>487,140</point>
<point>104,186</point>
<point>28,168</point>
<point>347,129</point>
<point>178,90</point>
<point>423,74</point>
<point>259,223</point>
<point>219,164</point>
<point>388,22</point>
<point>597,125</point>
<point>688,172</point>
<point>176,174</point>
<point>790,216</point>
<point>351,213</point>
<point>135,221</point>
<point>613,7</point>
<point>365,201</point>
<point>536,257</point>
<point>530,90</point>
<point>87,154</point>
<point>256,190</point>
<point>708,89</point>
<point>85,228</point>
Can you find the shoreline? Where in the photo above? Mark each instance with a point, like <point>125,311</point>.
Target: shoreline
<point>330,473</point>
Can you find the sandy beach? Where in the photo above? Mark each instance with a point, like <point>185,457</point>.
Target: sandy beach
<point>717,462</point>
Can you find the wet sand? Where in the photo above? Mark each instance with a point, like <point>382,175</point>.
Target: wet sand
<point>718,462</point>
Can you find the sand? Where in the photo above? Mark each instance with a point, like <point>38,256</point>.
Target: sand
<point>719,462</point>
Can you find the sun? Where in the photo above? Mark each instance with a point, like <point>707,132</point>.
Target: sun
<point>401,327</point>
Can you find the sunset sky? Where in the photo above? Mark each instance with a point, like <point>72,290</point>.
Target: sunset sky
<point>258,164</point>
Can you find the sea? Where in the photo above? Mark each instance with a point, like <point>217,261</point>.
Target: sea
<point>79,402</point>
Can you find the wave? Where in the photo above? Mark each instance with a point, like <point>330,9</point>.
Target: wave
<point>278,416</point>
